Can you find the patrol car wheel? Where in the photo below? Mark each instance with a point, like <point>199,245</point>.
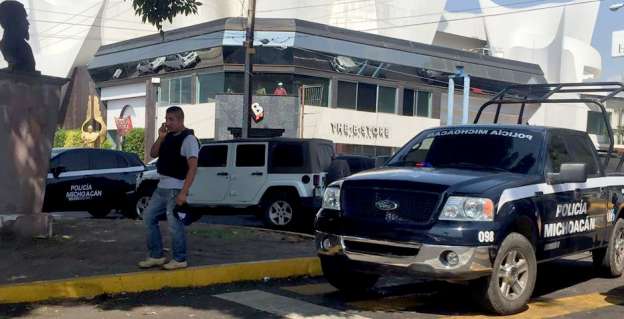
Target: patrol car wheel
<point>511,284</point>
<point>344,279</point>
<point>611,259</point>
<point>141,205</point>
<point>280,211</point>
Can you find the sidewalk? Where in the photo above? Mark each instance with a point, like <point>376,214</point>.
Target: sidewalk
<point>93,256</point>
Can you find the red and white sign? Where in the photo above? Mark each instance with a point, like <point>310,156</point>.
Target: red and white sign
<point>124,125</point>
<point>257,112</point>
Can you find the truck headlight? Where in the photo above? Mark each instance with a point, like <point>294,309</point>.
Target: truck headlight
<point>468,209</point>
<point>331,198</point>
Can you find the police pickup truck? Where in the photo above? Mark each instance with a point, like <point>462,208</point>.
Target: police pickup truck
<point>478,203</point>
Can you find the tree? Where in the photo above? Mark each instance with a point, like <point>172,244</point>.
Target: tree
<point>158,11</point>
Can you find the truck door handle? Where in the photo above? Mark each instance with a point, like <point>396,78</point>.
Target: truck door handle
<point>257,173</point>
<point>222,174</point>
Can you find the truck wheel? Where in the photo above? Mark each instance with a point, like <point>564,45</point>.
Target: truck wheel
<point>344,279</point>
<point>280,211</point>
<point>511,284</point>
<point>611,259</point>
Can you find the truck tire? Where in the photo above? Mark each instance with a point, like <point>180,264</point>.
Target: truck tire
<point>511,284</point>
<point>344,279</point>
<point>281,211</point>
<point>610,260</point>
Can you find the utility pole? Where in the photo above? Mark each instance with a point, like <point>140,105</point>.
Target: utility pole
<point>249,51</point>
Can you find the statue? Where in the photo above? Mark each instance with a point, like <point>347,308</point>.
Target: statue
<point>94,128</point>
<point>14,48</point>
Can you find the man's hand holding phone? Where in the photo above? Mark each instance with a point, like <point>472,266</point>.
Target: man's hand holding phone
<point>162,131</point>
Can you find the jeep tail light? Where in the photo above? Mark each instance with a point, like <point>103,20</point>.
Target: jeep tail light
<point>316,179</point>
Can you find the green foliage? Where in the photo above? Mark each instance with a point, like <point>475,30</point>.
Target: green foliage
<point>107,144</point>
<point>158,11</point>
<point>73,139</point>
<point>133,142</point>
<point>59,138</point>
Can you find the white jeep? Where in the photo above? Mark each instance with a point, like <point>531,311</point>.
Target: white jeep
<point>281,178</point>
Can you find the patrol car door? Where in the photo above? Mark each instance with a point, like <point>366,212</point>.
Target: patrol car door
<point>62,191</point>
<point>249,173</point>
<point>212,181</point>
<point>569,210</point>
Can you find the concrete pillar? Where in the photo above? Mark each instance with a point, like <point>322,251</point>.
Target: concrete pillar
<point>29,115</point>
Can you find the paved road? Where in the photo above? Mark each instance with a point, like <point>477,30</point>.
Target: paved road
<point>566,289</point>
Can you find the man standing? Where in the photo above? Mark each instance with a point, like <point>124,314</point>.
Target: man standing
<point>280,90</point>
<point>177,150</point>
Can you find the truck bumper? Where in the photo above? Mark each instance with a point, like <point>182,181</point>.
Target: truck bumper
<point>420,260</point>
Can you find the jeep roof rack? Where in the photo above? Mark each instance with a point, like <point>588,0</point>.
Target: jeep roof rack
<point>524,94</point>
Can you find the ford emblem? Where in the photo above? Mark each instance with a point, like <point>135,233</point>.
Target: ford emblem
<point>386,205</point>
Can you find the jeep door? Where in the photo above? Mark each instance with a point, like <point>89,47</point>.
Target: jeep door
<point>212,181</point>
<point>249,173</point>
<point>571,212</point>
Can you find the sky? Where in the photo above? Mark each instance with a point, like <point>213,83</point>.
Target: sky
<point>607,22</point>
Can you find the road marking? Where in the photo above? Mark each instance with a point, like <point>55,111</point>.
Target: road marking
<point>284,306</point>
<point>312,289</point>
<point>549,308</point>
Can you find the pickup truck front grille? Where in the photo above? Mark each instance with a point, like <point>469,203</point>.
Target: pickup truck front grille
<point>379,249</point>
<point>414,206</point>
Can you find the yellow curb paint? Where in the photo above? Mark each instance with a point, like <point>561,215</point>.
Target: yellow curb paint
<point>88,287</point>
<point>550,308</point>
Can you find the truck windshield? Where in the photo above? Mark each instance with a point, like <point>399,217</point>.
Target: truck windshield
<point>473,148</point>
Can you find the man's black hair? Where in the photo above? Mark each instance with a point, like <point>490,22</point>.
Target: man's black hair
<point>176,110</point>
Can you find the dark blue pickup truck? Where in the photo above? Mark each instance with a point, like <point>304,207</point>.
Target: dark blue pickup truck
<point>477,203</point>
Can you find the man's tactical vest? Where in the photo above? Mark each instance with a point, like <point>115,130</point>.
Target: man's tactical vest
<point>170,162</point>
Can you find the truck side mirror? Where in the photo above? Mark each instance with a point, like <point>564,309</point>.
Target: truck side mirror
<point>569,173</point>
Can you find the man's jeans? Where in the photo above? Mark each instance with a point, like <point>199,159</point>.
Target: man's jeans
<point>163,202</point>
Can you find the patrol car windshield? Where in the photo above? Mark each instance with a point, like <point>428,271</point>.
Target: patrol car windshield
<point>473,148</point>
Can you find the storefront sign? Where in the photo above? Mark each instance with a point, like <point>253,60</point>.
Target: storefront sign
<point>360,131</point>
<point>617,48</point>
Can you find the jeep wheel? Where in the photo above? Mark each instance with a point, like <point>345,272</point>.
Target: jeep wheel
<point>611,259</point>
<point>511,284</point>
<point>280,211</point>
<point>344,279</point>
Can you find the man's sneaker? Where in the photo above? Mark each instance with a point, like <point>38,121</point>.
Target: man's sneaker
<point>173,264</point>
<point>152,262</point>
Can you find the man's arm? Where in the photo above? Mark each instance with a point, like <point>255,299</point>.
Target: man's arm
<point>155,150</point>
<point>188,180</point>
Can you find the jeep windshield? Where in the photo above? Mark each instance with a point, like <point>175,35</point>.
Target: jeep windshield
<point>491,149</point>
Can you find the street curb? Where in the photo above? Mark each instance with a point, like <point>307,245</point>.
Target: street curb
<point>89,287</point>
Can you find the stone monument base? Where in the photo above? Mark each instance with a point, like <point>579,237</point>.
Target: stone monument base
<point>37,225</point>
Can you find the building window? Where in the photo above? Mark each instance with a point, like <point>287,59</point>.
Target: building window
<point>417,103</point>
<point>347,95</point>
<point>596,124</point>
<point>208,86</point>
<point>424,104</point>
<point>234,83</point>
<point>387,100</point>
<point>176,91</point>
<point>269,84</point>
<point>366,97</point>
<point>316,90</point>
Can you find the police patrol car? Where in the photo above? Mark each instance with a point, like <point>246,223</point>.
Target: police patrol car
<point>93,180</point>
<point>480,203</point>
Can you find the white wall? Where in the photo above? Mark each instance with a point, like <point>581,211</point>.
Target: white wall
<point>199,117</point>
<point>115,107</point>
<point>318,124</point>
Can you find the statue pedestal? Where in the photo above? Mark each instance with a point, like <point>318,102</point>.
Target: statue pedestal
<point>29,113</point>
